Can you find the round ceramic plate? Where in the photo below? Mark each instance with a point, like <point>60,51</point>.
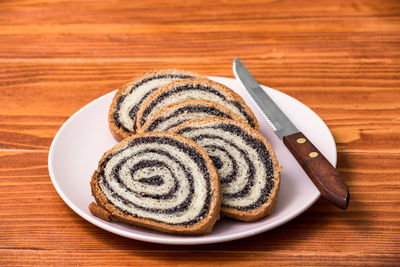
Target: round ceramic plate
<point>85,136</point>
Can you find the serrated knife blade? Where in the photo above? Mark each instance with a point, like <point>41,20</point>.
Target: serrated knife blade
<point>272,113</point>
<point>324,176</point>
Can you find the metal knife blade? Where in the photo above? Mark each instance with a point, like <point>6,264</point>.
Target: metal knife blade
<point>324,176</point>
<point>271,112</point>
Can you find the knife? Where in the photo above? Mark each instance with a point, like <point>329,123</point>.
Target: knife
<point>321,172</point>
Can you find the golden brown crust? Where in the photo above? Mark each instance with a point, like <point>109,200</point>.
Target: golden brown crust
<point>203,227</point>
<point>116,131</point>
<point>99,212</point>
<point>170,108</point>
<point>268,207</point>
<point>229,94</point>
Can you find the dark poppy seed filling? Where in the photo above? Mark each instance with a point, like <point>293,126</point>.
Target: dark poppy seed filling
<point>128,103</point>
<point>157,178</point>
<point>194,89</point>
<point>171,93</point>
<point>246,115</point>
<point>180,112</point>
<point>154,180</point>
<point>243,162</point>
<point>145,164</point>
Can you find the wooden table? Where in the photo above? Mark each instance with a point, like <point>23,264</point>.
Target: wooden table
<point>341,58</point>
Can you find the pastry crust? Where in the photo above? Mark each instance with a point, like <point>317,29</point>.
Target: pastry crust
<point>268,207</point>
<point>116,131</point>
<point>187,103</point>
<point>106,211</point>
<point>227,92</point>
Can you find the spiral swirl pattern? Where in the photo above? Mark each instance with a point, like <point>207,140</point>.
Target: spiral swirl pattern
<point>195,89</point>
<point>245,162</point>
<point>180,112</point>
<point>130,97</point>
<point>159,177</point>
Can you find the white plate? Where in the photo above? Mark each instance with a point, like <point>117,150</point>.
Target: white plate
<point>82,140</point>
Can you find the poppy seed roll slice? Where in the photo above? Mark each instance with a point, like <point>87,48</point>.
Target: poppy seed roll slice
<point>246,164</point>
<point>129,98</point>
<point>180,112</point>
<point>187,89</point>
<point>161,181</point>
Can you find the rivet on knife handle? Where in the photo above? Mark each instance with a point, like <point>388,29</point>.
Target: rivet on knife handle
<point>324,176</point>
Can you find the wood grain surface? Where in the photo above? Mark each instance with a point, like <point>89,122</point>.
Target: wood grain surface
<point>341,58</point>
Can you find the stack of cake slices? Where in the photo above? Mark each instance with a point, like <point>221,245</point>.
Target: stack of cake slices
<point>190,150</point>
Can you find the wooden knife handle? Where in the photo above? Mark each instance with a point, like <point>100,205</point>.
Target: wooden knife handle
<point>325,177</point>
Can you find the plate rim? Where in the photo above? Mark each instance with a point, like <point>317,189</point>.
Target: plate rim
<point>182,240</point>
